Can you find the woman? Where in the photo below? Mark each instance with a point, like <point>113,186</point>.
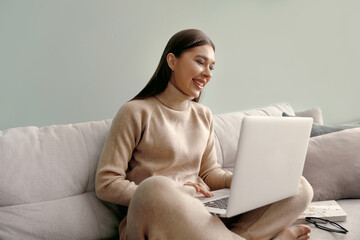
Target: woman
<point>160,152</point>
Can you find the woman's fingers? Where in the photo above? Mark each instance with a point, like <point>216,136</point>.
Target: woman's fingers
<point>204,190</point>
<point>200,188</point>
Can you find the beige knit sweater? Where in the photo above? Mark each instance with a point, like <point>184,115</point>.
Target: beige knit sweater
<point>167,135</point>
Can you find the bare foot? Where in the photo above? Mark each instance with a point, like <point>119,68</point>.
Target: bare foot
<point>299,232</point>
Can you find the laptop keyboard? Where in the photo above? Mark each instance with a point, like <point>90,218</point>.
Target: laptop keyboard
<point>219,203</point>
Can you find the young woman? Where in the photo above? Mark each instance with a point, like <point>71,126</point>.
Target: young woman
<point>160,152</point>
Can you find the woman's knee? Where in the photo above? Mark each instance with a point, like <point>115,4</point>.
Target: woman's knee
<point>149,199</point>
<point>162,194</point>
<point>305,190</point>
<point>152,193</point>
<point>156,186</point>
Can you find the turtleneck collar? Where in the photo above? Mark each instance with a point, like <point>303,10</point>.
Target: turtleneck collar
<point>174,98</point>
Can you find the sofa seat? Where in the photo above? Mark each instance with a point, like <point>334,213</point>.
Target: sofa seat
<point>78,217</point>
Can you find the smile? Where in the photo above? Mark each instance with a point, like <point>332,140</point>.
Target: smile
<point>199,83</point>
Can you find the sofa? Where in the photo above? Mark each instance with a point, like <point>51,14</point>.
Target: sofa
<point>47,176</point>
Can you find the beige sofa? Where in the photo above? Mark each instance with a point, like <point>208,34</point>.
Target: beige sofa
<point>47,177</point>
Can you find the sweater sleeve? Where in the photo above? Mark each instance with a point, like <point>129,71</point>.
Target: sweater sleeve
<point>210,170</point>
<point>125,132</point>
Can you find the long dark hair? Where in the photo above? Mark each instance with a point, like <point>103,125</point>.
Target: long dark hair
<point>177,44</point>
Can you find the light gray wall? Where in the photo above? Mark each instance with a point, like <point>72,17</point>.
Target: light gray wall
<point>73,61</point>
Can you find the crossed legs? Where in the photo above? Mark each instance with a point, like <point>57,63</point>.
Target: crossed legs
<point>161,209</point>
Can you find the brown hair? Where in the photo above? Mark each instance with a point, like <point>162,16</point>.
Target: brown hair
<point>177,44</point>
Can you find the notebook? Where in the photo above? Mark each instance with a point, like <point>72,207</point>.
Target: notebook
<point>268,165</point>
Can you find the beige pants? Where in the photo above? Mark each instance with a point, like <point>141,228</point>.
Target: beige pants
<point>161,209</point>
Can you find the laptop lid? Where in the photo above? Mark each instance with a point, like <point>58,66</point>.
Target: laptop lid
<point>269,161</point>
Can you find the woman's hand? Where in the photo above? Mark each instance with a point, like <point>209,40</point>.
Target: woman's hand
<point>200,188</point>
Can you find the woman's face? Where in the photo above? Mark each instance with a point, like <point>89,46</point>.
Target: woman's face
<point>192,70</point>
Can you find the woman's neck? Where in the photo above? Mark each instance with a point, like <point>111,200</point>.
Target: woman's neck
<point>174,98</point>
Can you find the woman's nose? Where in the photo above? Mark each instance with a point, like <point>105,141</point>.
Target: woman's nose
<point>207,73</point>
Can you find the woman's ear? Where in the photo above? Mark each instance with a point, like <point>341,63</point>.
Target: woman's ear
<point>171,61</point>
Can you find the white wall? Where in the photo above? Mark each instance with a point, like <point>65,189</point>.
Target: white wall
<point>74,61</point>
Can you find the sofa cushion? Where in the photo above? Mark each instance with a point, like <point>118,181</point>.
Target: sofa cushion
<point>79,217</point>
<point>47,178</point>
<point>314,113</point>
<point>320,129</point>
<point>332,165</point>
<point>227,130</point>
<point>42,164</point>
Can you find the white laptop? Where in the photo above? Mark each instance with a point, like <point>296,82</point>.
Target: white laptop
<point>268,167</point>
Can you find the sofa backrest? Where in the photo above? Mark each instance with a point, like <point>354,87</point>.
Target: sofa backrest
<point>47,177</point>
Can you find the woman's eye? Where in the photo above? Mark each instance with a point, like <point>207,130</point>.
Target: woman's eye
<point>211,68</point>
<point>200,62</point>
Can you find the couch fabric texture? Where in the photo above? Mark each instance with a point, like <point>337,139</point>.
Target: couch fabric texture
<point>47,176</point>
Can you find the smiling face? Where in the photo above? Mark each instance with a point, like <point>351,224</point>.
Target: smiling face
<point>191,71</point>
